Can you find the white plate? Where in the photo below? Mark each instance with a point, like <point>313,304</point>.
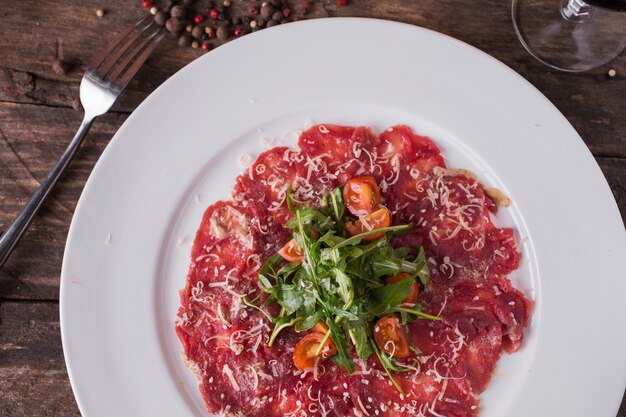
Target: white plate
<point>178,153</point>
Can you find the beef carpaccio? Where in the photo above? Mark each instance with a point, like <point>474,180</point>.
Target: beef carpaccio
<point>225,342</point>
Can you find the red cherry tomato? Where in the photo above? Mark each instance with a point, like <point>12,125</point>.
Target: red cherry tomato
<point>373,221</point>
<point>304,352</point>
<point>361,195</point>
<point>391,337</point>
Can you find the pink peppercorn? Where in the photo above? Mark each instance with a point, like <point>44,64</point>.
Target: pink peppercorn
<point>146,4</point>
<point>198,19</point>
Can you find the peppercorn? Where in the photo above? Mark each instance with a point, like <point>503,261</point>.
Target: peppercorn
<point>260,23</point>
<point>277,3</point>
<point>245,20</point>
<point>238,31</point>
<point>99,12</point>
<point>226,3</point>
<point>286,13</point>
<point>253,24</point>
<point>184,41</point>
<point>161,18</point>
<point>306,4</point>
<point>221,17</point>
<point>60,66</point>
<point>186,2</point>
<point>154,11</point>
<point>267,10</point>
<point>146,4</point>
<point>612,73</point>
<point>278,16</point>
<point>213,13</point>
<point>189,28</point>
<point>271,23</point>
<point>222,33</point>
<point>206,46</point>
<point>195,44</point>
<point>174,25</point>
<point>167,5</point>
<point>235,21</point>
<point>179,11</point>
<point>209,31</point>
<point>253,10</point>
<point>197,32</point>
<point>198,19</point>
<point>342,2</point>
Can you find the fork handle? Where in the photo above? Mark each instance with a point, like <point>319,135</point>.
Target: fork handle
<point>16,230</point>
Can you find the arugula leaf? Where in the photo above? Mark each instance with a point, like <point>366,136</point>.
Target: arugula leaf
<point>355,240</point>
<point>281,324</point>
<point>290,298</point>
<point>343,358</point>
<point>337,204</point>
<point>382,299</point>
<point>360,340</point>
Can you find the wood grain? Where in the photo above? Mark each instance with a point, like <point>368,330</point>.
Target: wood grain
<point>38,118</point>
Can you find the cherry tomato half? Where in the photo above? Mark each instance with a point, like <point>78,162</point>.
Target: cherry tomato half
<point>391,337</point>
<point>376,220</point>
<point>304,353</point>
<point>361,195</point>
<point>415,288</point>
<point>320,327</point>
<point>292,252</point>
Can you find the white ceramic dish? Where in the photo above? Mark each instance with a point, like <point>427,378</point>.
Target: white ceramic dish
<point>127,250</point>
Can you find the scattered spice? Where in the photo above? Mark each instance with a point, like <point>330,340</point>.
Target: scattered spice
<point>161,18</point>
<point>99,12</point>
<point>184,40</point>
<point>179,11</point>
<point>195,22</point>
<point>60,66</point>
<point>222,33</point>
<point>612,73</point>
<point>197,32</point>
<point>174,25</point>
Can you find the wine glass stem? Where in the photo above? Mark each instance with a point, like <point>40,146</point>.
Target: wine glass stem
<point>575,10</point>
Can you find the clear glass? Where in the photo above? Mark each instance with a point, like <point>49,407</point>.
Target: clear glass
<point>570,35</point>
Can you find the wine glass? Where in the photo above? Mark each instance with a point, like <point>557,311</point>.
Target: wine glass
<point>571,35</point>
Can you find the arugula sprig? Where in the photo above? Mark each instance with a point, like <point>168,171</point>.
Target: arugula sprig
<point>341,281</point>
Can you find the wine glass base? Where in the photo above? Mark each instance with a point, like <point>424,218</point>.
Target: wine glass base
<point>569,39</point>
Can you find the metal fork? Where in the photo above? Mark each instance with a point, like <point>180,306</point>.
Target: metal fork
<point>106,77</point>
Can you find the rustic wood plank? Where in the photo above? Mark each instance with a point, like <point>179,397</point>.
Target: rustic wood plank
<point>32,370</point>
<point>31,138</point>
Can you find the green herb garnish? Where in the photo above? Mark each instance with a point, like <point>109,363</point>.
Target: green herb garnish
<point>341,280</point>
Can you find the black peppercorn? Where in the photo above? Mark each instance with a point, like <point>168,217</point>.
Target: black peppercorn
<point>221,17</point>
<point>197,32</point>
<point>179,11</point>
<point>222,33</point>
<point>184,40</point>
<point>277,16</point>
<point>167,5</point>
<point>267,10</point>
<point>161,18</point>
<point>277,3</point>
<point>60,67</point>
<point>271,23</point>
<point>186,2</point>
<point>174,25</point>
<point>235,21</point>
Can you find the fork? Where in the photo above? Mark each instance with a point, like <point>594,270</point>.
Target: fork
<point>106,77</point>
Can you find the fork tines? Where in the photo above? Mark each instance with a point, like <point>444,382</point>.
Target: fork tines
<point>121,59</point>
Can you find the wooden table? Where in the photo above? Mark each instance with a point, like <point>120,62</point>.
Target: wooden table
<point>38,118</point>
